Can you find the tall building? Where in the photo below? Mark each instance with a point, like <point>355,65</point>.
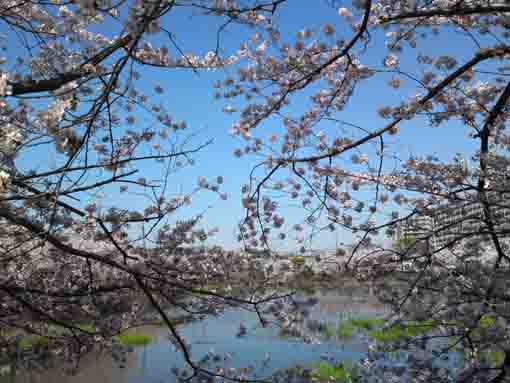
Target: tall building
<point>444,224</point>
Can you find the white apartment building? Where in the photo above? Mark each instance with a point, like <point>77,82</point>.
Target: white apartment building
<point>442,225</point>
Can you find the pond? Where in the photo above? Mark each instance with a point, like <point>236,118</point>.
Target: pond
<point>265,349</point>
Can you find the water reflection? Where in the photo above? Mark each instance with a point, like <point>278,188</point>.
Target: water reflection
<point>94,368</point>
<point>153,363</point>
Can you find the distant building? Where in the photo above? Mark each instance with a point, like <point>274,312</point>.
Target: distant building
<point>441,226</point>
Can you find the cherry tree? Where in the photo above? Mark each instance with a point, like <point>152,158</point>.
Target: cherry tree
<point>72,87</point>
<point>351,178</point>
<point>78,130</point>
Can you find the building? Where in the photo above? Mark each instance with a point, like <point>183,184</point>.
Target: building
<point>445,224</point>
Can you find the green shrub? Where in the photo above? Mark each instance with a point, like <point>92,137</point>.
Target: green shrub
<point>28,342</point>
<point>487,321</point>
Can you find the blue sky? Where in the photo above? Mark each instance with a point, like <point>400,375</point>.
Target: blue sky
<point>189,97</point>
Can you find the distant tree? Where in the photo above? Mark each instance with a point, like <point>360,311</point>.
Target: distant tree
<point>405,244</point>
<point>298,262</point>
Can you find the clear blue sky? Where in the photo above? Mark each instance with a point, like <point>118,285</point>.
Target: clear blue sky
<point>189,97</point>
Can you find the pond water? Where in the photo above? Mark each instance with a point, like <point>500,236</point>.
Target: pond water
<point>264,348</point>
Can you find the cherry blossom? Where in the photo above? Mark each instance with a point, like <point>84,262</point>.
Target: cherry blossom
<point>79,96</point>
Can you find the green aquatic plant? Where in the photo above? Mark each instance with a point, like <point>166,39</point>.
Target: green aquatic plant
<point>345,329</point>
<point>133,339</point>
<point>368,324</point>
<point>179,321</point>
<point>339,372</point>
<point>398,332</point>
<point>327,332</point>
